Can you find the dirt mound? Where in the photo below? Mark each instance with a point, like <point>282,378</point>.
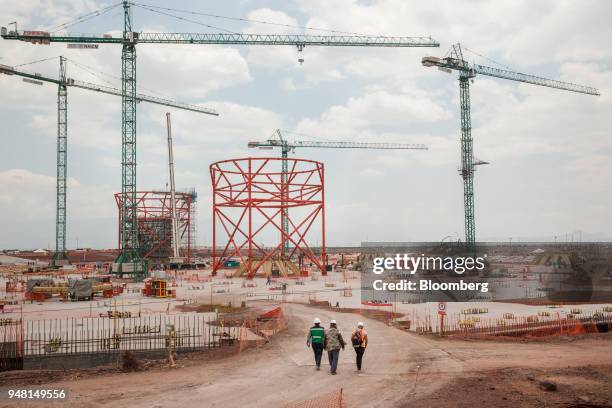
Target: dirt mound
<point>586,386</point>
<point>208,308</point>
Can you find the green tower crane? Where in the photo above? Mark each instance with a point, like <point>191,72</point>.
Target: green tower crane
<point>467,72</point>
<point>60,255</point>
<point>129,39</point>
<point>277,140</point>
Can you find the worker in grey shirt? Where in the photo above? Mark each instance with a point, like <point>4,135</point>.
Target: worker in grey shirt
<point>333,343</point>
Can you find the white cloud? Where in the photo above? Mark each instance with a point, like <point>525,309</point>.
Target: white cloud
<point>377,109</point>
<point>523,32</point>
<point>28,204</point>
<point>271,57</point>
<point>236,124</point>
<point>548,149</point>
<point>190,70</point>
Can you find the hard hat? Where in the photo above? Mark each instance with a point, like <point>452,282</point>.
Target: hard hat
<point>316,320</point>
<point>360,324</point>
<point>332,321</point>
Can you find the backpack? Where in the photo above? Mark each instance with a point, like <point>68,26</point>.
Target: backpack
<point>356,338</point>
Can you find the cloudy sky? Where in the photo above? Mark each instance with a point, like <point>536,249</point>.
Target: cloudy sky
<point>550,151</point>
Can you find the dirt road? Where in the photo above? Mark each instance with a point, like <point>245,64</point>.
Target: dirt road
<point>283,371</point>
<point>280,372</point>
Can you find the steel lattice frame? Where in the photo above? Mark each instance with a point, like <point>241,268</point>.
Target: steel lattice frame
<point>129,230</point>
<point>284,219</point>
<point>467,160</point>
<point>154,215</point>
<point>60,256</point>
<point>252,194</point>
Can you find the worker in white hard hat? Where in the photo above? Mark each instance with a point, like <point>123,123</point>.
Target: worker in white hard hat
<point>333,343</point>
<point>359,338</point>
<point>316,338</point>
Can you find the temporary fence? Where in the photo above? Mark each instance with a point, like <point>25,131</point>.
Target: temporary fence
<point>508,325</point>
<point>334,399</point>
<point>104,335</point>
<point>257,331</point>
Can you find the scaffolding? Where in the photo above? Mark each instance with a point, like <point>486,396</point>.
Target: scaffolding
<point>154,217</point>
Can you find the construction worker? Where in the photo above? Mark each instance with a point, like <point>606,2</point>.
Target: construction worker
<point>333,343</point>
<point>316,337</point>
<point>359,338</point>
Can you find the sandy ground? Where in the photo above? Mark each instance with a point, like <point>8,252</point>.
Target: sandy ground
<point>322,288</point>
<point>401,369</point>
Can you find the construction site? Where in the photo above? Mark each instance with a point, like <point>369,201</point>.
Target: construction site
<point>161,320</point>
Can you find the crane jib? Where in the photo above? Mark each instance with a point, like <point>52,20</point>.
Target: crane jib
<point>471,70</point>
<point>534,80</point>
<point>222,38</point>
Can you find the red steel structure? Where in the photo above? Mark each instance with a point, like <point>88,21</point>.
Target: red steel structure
<point>251,198</point>
<point>154,215</point>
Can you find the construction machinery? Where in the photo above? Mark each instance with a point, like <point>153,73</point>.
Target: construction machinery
<point>60,255</point>
<point>277,140</point>
<point>128,41</point>
<point>158,287</point>
<point>77,289</point>
<point>467,72</point>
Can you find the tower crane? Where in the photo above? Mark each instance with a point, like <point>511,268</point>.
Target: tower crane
<point>277,140</point>
<point>60,256</point>
<point>128,41</point>
<point>467,72</point>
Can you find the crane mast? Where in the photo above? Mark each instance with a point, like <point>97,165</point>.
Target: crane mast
<point>467,72</point>
<point>467,159</point>
<point>60,256</point>
<point>128,260</point>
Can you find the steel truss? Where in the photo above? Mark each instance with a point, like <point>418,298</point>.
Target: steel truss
<point>252,196</point>
<point>154,218</point>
